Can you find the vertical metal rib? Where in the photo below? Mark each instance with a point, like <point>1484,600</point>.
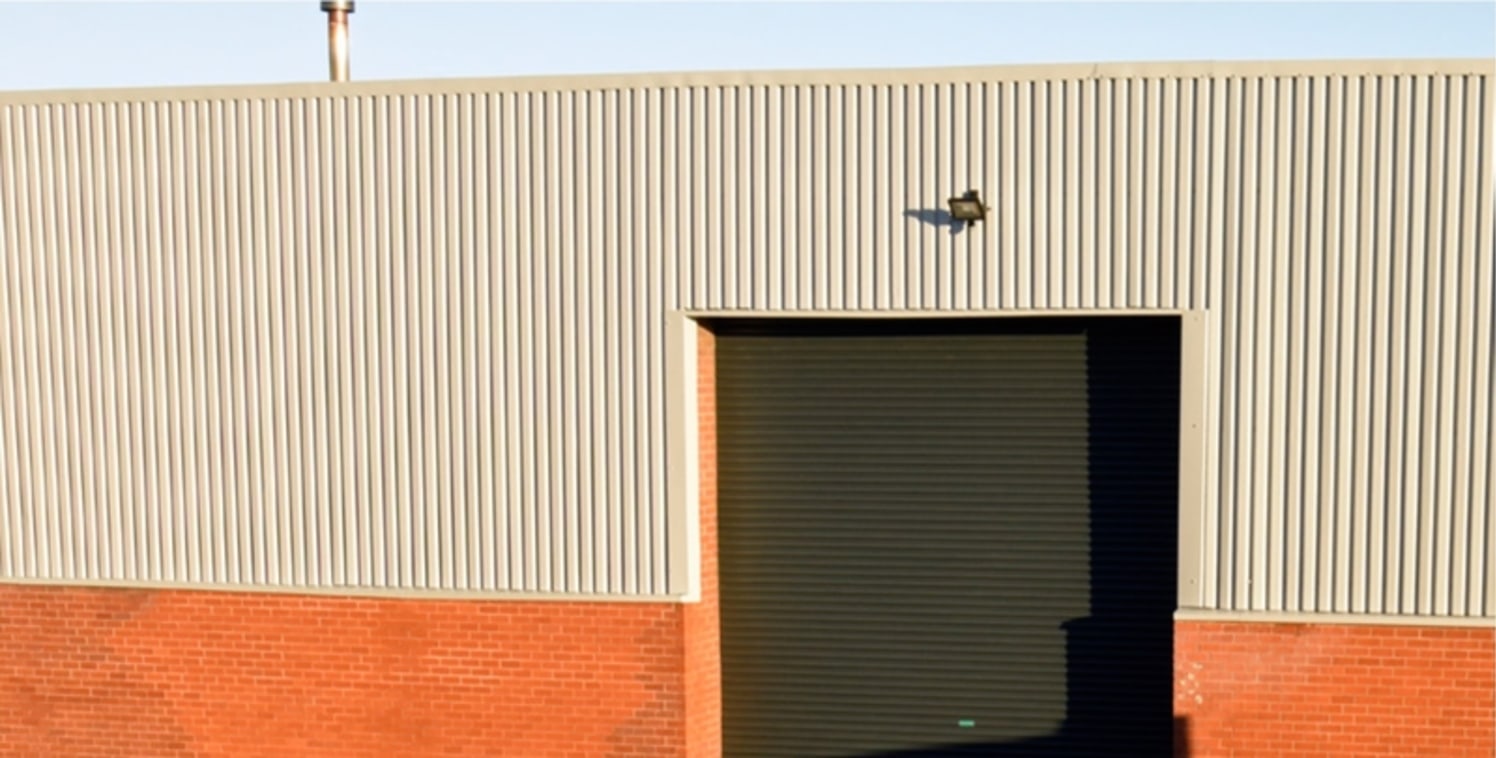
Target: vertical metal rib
<point>415,340</point>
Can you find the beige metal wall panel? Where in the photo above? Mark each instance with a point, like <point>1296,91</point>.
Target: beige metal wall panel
<point>412,335</point>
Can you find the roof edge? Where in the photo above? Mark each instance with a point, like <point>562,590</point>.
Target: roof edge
<point>863,76</point>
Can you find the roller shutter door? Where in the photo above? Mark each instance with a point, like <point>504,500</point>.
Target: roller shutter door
<point>947,535</point>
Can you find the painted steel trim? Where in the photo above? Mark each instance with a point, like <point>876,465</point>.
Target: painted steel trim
<point>383,593</point>
<point>808,77</point>
<point>1199,615</point>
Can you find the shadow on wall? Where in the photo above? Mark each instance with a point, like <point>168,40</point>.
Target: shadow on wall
<point>937,217</point>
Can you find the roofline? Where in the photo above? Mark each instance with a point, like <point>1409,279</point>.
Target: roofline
<point>872,77</point>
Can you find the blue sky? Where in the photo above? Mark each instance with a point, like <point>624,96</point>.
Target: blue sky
<point>59,44</point>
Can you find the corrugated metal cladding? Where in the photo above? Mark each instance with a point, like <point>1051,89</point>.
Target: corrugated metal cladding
<point>412,336</point>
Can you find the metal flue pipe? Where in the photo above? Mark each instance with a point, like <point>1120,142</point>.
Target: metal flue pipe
<point>337,37</point>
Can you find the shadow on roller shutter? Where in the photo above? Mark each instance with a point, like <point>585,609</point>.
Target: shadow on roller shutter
<point>947,535</point>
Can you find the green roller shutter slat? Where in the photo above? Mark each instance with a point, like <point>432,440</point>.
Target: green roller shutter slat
<point>947,535</point>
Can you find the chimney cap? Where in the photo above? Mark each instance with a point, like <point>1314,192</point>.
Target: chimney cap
<point>329,6</point>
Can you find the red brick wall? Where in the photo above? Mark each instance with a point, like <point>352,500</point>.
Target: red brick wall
<point>99,672</point>
<point>1257,689</point>
<point>702,622</point>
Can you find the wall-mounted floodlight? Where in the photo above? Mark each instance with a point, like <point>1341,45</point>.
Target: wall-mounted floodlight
<point>968,207</point>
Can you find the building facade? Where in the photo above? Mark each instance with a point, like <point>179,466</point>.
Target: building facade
<point>675,415</point>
